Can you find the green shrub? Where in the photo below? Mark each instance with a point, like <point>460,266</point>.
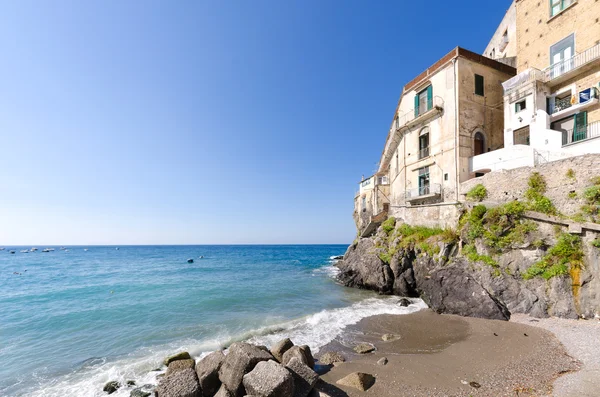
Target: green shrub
<point>388,225</point>
<point>537,183</point>
<point>566,253</point>
<point>572,195</point>
<point>536,201</point>
<point>570,173</point>
<point>596,243</point>
<point>478,193</point>
<point>470,252</point>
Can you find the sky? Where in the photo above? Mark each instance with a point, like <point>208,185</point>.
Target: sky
<point>206,122</point>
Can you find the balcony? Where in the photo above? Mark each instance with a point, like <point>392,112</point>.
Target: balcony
<point>434,106</point>
<point>561,104</point>
<point>565,69</point>
<point>528,76</point>
<point>581,133</point>
<point>423,153</point>
<point>424,192</point>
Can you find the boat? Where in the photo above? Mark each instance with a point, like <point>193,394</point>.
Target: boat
<point>12,252</point>
<point>117,248</point>
<point>62,248</point>
<point>33,249</point>
<point>85,249</point>
<point>1,249</point>
<point>24,251</point>
<point>47,250</point>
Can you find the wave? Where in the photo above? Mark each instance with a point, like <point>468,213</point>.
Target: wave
<point>315,330</point>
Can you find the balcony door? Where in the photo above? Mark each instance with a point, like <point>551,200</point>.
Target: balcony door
<point>423,181</point>
<point>561,55</point>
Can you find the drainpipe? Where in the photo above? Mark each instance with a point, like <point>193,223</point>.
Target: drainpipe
<point>456,124</point>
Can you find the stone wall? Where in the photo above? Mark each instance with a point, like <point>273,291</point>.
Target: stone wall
<point>444,215</point>
<point>508,185</point>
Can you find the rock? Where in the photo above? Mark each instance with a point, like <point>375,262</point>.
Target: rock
<point>404,302</point>
<point>364,348</point>
<point>182,383</point>
<point>111,387</point>
<point>331,357</point>
<point>143,391</point>
<point>207,370</point>
<point>303,353</point>
<point>358,380</point>
<point>130,383</point>
<point>475,385</point>
<point>175,357</point>
<point>269,379</point>
<point>382,361</point>
<point>390,337</point>
<point>362,268</point>
<point>338,257</point>
<point>223,392</point>
<point>178,365</point>
<point>281,347</point>
<point>304,377</point>
<point>240,359</point>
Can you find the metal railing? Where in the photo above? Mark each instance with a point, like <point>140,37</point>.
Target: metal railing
<point>435,103</point>
<point>576,61</point>
<point>432,188</point>
<point>580,133</point>
<point>561,104</point>
<point>423,153</point>
<point>528,76</point>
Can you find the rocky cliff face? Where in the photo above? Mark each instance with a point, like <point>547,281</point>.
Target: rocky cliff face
<point>456,276</point>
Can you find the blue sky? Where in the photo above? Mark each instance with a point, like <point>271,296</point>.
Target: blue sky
<point>155,122</point>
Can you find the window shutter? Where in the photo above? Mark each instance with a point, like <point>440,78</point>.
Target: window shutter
<point>429,97</point>
<point>416,105</point>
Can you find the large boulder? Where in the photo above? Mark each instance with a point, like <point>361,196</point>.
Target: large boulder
<point>142,391</point>
<point>281,347</point>
<point>207,370</point>
<point>178,365</point>
<point>240,359</point>
<point>358,380</point>
<point>182,383</point>
<point>175,357</point>
<point>111,387</point>
<point>362,268</point>
<point>304,377</point>
<point>269,379</point>
<point>303,353</point>
<point>223,392</point>
<point>331,357</point>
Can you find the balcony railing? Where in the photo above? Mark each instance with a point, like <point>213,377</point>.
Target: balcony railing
<point>435,103</point>
<point>576,61</point>
<point>528,76</point>
<point>428,190</point>
<point>580,133</point>
<point>561,104</point>
<point>423,153</point>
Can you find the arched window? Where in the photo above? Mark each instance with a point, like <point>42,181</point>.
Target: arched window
<point>478,144</point>
<point>424,143</point>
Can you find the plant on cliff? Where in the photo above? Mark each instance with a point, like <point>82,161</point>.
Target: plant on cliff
<point>536,201</point>
<point>566,254</point>
<point>596,243</point>
<point>388,225</point>
<point>424,238</point>
<point>470,252</point>
<point>591,195</point>
<point>478,193</point>
<point>570,173</point>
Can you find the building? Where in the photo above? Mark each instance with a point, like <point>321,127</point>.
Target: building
<point>446,115</point>
<point>551,108</point>
<point>503,45</point>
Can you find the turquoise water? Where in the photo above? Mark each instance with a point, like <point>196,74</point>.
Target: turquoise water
<point>74,319</point>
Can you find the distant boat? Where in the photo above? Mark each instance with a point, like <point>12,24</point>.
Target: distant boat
<point>12,252</point>
<point>47,250</point>
<point>62,248</point>
<point>66,250</point>
<point>1,249</point>
<point>117,248</point>
<point>25,251</point>
<point>33,249</point>
<point>85,249</point>
<point>190,261</point>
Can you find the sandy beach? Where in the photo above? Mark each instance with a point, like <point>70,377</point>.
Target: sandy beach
<point>445,355</point>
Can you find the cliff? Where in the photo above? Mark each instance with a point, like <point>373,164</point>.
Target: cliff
<point>519,256</point>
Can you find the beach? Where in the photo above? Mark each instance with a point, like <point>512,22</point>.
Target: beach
<point>446,355</point>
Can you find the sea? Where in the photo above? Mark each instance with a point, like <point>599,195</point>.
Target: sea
<point>77,317</point>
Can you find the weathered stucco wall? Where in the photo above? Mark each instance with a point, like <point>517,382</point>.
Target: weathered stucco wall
<point>442,215</point>
<point>508,185</point>
<point>508,26</point>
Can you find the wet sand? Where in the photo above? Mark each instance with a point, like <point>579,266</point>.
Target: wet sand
<point>442,355</point>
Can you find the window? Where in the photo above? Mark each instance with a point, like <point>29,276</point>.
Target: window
<point>521,136</point>
<point>478,85</point>
<point>423,101</point>
<point>521,105</point>
<point>364,203</point>
<point>424,143</point>
<point>423,181</point>
<point>557,6</point>
<point>504,41</point>
<point>478,144</point>
<point>561,56</point>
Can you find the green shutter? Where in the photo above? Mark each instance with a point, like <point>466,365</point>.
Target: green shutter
<point>429,97</point>
<point>417,105</point>
<point>580,130</point>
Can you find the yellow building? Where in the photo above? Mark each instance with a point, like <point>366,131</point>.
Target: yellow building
<point>551,106</point>
<point>446,115</point>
